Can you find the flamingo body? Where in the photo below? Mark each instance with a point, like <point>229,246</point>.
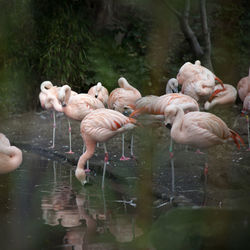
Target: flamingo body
<point>196,80</point>
<point>198,129</point>
<point>123,97</point>
<point>10,156</point>
<point>243,88</point>
<point>100,92</point>
<point>99,126</point>
<point>228,96</point>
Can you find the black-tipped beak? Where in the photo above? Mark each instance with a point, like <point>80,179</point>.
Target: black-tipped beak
<point>168,125</point>
<point>64,104</point>
<point>96,96</point>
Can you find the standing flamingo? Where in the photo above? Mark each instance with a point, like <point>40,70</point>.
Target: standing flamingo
<point>100,92</point>
<point>218,97</point>
<point>47,89</point>
<point>77,106</point>
<point>122,99</point>
<point>197,81</point>
<point>243,88</point>
<point>10,156</point>
<point>49,100</point>
<point>200,129</point>
<point>99,126</point>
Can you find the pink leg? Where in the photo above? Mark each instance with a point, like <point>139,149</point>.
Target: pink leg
<point>123,157</point>
<point>54,129</point>
<point>248,133</point>
<point>70,150</point>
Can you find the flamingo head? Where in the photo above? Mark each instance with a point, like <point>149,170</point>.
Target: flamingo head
<point>81,175</point>
<point>170,114</point>
<point>128,109</point>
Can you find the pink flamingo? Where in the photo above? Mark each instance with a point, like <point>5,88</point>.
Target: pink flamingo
<point>77,106</point>
<point>100,92</point>
<point>47,95</point>
<point>218,97</point>
<point>123,99</point>
<point>10,156</point>
<point>243,88</point>
<point>197,81</point>
<point>199,129</point>
<point>49,100</point>
<point>99,126</point>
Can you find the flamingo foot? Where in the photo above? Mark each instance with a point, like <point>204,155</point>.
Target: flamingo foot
<point>69,152</point>
<point>124,158</point>
<point>133,157</point>
<point>199,152</point>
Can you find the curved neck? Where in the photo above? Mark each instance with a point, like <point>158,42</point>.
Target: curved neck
<point>52,100</point>
<point>177,122</point>
<point>123,83</point>
<point>90,150</point>
<point>65,93</point>
<point>45,86</point>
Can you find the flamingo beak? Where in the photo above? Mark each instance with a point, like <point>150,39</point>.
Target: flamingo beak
<point>175,90</point>
<point>64,104</point>
<point>168,125</point>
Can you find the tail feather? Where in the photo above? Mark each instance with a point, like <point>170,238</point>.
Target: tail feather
<point>237,137</point>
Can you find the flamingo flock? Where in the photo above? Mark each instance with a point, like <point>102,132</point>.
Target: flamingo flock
<point>103,115</point>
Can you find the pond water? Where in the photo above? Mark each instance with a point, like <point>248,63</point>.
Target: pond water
<point>156,202</point>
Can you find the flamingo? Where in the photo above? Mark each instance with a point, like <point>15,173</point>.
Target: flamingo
<point>172,86</point>
<point>77,106</point>
<point>11,157</point>
<point>47,89</point>
<point>218,97</point>
<point>243,88</point>
<point>100,92</point>
<point>200,129</point>
<point>99,126</point>
<point>123,99</point>
<point>49,100</point>
<point>197,81</point>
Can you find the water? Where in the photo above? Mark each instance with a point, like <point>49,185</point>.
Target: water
<point>156,202</point>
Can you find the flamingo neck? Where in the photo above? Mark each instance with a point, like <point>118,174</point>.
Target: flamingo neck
<point>45,86</point>
<point>177,122</point>
<point>90,150</point>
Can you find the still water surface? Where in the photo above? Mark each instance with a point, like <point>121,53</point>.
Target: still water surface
<point>43,206</point>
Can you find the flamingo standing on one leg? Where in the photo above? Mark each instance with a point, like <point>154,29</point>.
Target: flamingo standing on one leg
<point>10,156</point>
<point>99,126</point>
<point>100,92</point>
<point>197,81</point>
<point>121,99</point>
<point>218,97</point>
<point>199,129</point>
<point>78,106</point>
<point>243,88</point>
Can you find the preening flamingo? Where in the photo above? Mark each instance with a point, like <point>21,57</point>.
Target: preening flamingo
<point>100,92</point>
<point>123,99</point>
<point>172,86</point>
<point>243,88</point>
<point>197,81</point>
<point>218,97</point>
<point>99,126</point>
<point>48,90</point>
<point>77,106</point>
<point>10,156</point>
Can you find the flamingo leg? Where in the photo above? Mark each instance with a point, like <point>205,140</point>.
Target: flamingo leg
<point>70,150</point>
<point>54,129</point>
<point>105,165</point>
<point>248,133</point>
<point>87,164</point>
<point>123,157</point>
<point>132,147</point>
<point>205,184</point>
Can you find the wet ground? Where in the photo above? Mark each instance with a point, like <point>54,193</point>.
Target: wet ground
<point>146,202</point>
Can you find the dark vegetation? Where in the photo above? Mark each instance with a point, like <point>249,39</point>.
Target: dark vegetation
<point>81,42</point>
